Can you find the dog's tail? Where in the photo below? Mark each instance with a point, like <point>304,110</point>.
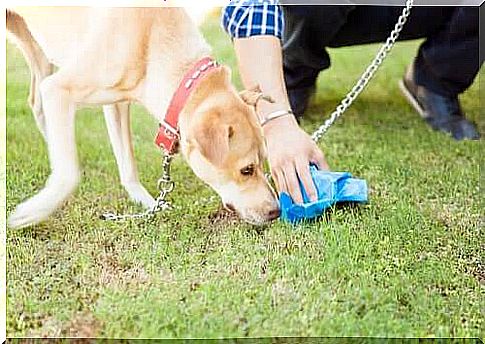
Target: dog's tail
<point>19,33</point>
<point>11,17</point>
<point>40,67</point>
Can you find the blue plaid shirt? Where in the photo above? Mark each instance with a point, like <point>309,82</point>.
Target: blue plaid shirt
<point>246,18</point>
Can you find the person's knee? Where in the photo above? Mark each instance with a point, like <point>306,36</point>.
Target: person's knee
<point>465,20</point>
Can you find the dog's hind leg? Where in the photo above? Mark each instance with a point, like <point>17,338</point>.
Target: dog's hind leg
<point>60,111</point>
<point>35,99</point>
<point>117,118</point>
<point>39,65</point>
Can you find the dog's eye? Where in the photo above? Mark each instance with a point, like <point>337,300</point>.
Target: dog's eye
<point>248,170</point>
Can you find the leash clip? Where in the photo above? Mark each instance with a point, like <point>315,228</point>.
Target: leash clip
<point>169,131</point>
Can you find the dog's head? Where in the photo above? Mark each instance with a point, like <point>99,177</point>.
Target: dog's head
<point>223,143</point>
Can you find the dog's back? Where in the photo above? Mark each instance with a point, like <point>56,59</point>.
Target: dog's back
<point>65,33</point>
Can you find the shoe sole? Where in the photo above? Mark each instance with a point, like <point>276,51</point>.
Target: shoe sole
<point>411,99</point>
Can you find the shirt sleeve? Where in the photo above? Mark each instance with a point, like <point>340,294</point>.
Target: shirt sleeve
<point>246,18</point>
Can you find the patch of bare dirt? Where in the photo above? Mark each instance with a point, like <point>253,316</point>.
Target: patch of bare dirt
<point>112,274</point>
<point>83,325</point>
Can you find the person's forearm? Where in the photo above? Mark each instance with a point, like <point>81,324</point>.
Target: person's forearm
<point>290,149</point>
<point>260,64</point>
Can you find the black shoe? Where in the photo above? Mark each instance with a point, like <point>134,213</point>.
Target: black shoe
<point>299,99</point>
<point>440,112</point>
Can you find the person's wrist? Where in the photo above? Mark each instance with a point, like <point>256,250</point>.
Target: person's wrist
<point>264,109</point>
<point>281,123</point>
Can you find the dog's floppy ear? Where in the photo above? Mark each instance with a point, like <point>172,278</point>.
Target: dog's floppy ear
<point>213,140</point>
<point>253,95</point>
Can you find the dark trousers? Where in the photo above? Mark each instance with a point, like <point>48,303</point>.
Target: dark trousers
<point>447,62</point>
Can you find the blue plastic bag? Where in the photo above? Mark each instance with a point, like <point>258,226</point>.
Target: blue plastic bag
<point>332,187</point>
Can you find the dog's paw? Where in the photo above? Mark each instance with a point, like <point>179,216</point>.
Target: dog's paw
<point>140,195</point>
<point>27,214</point>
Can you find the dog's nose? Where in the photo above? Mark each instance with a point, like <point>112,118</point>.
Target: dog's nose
<point>273,214</point>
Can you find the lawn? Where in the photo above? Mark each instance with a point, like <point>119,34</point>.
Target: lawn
<point>408,263</point>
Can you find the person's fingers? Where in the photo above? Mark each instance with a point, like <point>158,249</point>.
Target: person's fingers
<point>303,170</point>
<point>319,160</point>
<point>292,183</point>
<point>279,180</point>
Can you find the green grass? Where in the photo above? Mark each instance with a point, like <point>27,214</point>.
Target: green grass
<point>409,263</point>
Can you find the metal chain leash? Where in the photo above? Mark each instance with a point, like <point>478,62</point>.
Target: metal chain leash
<point>367,75</point>
<point>165,186</point>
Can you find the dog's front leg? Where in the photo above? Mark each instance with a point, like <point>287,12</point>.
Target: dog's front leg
<point>59,109</point>
<point>117,118</point>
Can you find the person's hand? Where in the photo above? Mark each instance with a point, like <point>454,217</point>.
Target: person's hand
<point>290,152</point>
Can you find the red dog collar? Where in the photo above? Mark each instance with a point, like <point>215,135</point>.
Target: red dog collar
<point>168,132</point>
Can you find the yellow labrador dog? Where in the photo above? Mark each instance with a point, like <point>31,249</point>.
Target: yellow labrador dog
<point>115,56</point>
